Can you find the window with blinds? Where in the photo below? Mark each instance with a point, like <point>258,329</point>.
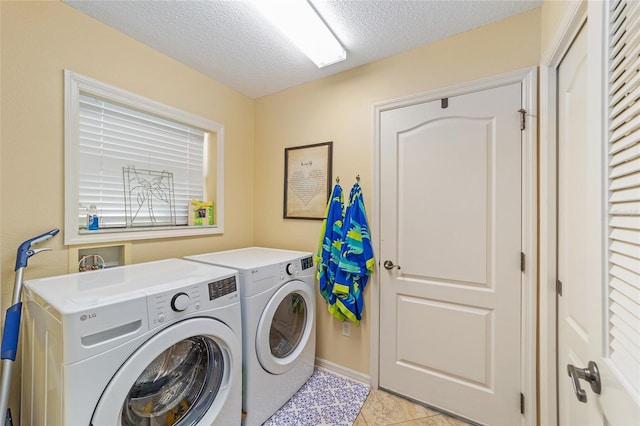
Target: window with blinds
<point>136,168</point>
<point>623,290</point>
<point>139,162</point>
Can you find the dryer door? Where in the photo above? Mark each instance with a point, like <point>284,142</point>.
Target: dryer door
<point>285,327</point>
<point>180,376</point>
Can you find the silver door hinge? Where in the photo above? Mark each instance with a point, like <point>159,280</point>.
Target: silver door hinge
<point>559,287</point>
<point>521,403</point>
<point>523,116</point>
<point>522,262</point>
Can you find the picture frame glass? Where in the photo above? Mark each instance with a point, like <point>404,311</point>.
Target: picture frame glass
<point>307,182</point>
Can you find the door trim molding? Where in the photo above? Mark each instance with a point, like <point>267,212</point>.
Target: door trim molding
<point>528,79</point>
<point>574,18</point>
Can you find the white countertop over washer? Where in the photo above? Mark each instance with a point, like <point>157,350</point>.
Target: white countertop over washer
<point>250,257</point>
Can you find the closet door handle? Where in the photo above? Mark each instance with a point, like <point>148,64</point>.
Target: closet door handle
<point>389,265</point>
<point>589,374</point>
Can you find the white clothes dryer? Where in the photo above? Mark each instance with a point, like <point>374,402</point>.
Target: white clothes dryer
<point>277,290</point>
<point>157,343</point>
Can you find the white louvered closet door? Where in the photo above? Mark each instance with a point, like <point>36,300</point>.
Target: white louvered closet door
<point>599,219</point>
<point>619,345</point>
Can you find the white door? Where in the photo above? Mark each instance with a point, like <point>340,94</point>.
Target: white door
<point>450,221</point>
<point>599,294</point>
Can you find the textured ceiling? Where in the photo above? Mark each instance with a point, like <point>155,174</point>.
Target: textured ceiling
<point>231,42</point>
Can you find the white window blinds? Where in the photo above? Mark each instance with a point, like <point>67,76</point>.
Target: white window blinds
<point>623,291</point>
<point>138,169</point>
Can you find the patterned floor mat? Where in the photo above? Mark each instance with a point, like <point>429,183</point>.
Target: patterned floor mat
<point>326,399</point>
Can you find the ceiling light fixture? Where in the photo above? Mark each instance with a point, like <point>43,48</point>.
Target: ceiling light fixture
<point>302,25</point>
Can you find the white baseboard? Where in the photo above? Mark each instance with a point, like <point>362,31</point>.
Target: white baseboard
<point>343,371</point>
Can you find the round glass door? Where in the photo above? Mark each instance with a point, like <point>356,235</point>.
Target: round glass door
<point>186,374</point>
<point>285,327</point>
<point>167,390</point>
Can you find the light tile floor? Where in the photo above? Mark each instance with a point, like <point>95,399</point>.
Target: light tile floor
<point>384,409</point>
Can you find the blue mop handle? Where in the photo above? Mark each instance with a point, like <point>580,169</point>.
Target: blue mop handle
<point>11,332</point>
<point>13,314</point>
<point>25,252</point>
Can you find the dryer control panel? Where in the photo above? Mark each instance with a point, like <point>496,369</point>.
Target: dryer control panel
<point>307,262</point>
<point>169,305</point>
<point>294,268</point>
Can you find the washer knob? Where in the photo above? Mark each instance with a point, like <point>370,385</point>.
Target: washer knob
<point>179,302</point>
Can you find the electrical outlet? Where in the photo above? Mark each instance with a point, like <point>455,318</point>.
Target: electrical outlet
<point>346,328</point>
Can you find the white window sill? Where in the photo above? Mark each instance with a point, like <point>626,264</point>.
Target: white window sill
<point>84,236</point>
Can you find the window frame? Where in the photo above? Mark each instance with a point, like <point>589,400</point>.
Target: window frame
<point>74,84</point>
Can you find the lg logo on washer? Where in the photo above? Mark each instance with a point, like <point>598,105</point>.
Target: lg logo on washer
<point>85,317</point>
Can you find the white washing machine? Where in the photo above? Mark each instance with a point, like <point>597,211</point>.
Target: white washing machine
<point>277,289</point>
<point>156,343</point>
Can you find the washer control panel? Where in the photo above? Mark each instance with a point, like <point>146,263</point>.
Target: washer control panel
<point>169,305</point>
<point>222,287</point>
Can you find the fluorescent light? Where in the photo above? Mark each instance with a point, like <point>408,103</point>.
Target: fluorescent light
<point>300,23</point>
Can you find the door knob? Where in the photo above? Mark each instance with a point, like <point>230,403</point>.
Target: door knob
<point>591,374</point>
<point>389,265</point>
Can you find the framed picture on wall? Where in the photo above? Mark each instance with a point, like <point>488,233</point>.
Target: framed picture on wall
<point>307,180</point>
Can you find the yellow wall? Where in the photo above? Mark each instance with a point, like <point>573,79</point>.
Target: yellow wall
<point>38,41</point>
<point>339,109</point>
<point>1,269</point>
<point>552,12</point>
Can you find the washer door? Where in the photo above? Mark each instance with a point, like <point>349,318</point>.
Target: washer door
<point>177,377</point>
<point>285,327</point>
